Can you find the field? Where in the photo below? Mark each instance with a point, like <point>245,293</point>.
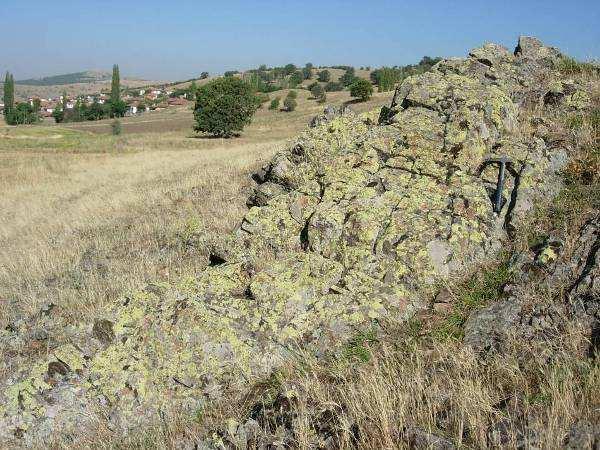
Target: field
<point>88,216</point>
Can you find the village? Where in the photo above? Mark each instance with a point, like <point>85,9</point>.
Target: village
<point>138,101</point>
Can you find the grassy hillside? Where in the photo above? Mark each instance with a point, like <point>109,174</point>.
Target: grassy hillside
<point>89,76</point>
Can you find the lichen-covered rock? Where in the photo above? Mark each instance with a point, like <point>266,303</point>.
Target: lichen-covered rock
<point>356,221</point>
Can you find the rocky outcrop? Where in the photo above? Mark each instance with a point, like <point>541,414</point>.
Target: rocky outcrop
<point>358,219</point>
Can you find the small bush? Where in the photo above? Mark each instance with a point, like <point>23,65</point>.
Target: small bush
<point>332,86</point>
<point>570,66</point>
<point>349,77</point>
<point>361,89</point>
<point>317,91</point>
<point>290,104</point>
<point>115,127</point>
<point>274,104</point>
<point>292,94</point>
<point>324,76</point>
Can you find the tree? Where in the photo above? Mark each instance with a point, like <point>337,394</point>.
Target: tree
<point>333,86</point>
<point>9,96</point>
<point>21,114</point>
<point>361,89</point>
<point>296,78</point>
<point>204,75</point>
<point>36,105</point>
<point>224,106</point>
<point>58,114</point>
<point>348,78</point>
<point>95,112</point>
<point>274,104</point>
<point>289,69</point>
<point>307,72</point>
<point>115,86</point>
<point>65,100</point>
<point>117,106</point>
<point>193,89</point>
<point>324,76</point>
<point>386,78</point>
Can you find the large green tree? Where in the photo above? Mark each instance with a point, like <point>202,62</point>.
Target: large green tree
<point>225,106</point>
<point>9,96</point>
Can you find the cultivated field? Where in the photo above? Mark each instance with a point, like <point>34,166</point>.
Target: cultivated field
<point>87,215</point>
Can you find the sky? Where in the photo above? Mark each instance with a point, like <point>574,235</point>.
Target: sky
<point>176,40</point>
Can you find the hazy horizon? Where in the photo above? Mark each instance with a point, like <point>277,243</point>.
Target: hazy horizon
<point>155,43</point>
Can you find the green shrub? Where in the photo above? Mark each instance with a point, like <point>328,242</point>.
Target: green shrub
<point>386,78</point>
<point>292,94</point>
<point>274,104</point>
<point>115,127</point>
<point>290,104</point>
<point>307,72</point>
<point>361,89</point>
<point>570,66</point>
<point>349,77</point>
<point>21,114</point>
<point>296,78</point>
<point>289,69</point>
<point>324,76</point>
<point>224,106</point>
<point>332,86</point>
<point>317,91</point>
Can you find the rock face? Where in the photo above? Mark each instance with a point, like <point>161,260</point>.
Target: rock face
<point>357,220</point>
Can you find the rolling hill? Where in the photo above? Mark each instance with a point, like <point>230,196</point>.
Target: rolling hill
<point>89,76</point>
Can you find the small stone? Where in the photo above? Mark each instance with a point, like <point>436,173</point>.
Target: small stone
<point>103,331</point>
<point>39,335</point>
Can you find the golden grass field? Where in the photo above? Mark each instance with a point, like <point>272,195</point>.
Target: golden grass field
<point>88,216</point>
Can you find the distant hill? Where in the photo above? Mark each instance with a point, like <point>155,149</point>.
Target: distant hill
<point>90,76</point>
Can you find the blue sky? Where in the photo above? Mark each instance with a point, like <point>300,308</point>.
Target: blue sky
<point>179,39</point>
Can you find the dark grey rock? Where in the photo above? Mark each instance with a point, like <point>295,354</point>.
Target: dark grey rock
<point>420,439</point>
<point>487,328</point>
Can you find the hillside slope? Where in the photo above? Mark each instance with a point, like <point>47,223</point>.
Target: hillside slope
<point>89,76</point>
<point>361,220</point>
